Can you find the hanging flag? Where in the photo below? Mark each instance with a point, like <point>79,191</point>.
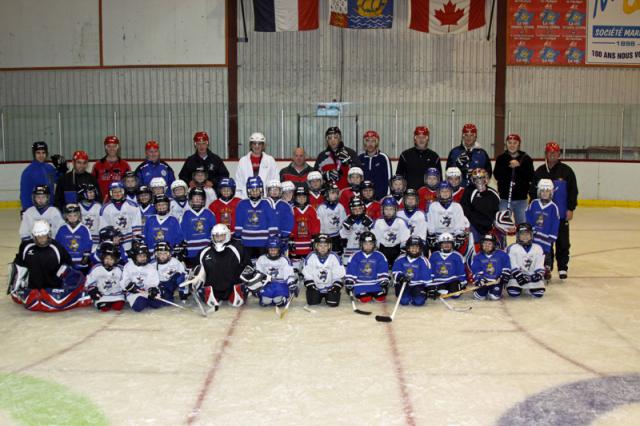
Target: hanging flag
<point>285,15</point>
<point>361,14</point>
<point>446,16</point>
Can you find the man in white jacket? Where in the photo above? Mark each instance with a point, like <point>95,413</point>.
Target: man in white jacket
<point>255,163</point>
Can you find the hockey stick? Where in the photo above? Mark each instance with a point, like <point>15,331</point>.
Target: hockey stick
<point>286,308</point>
<point>171,303</point>
<point>512,183</point>
<point>199,303</point>
<point>452,308</point>
<point>355,308</point>
<point>308,309</point>
<point>468,289</point>
<point>384,318</point>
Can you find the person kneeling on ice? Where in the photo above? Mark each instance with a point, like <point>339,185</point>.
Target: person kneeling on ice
<point>103,282</point>
<point>368,271</point>
<point>449,275</point>
<point>491,269</point>
<point>170,271</point>
<point>527,264</point>
<point>277,280</point>
<point>323,273</point>
<point>42,277</point>
<point>140,279</point>
<point>413,269</point>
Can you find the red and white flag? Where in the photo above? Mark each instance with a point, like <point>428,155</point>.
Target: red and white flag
<point>446,16</point>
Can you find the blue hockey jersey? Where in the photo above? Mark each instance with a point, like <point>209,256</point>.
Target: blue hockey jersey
<point>95,256</point>
<point>284,213</point>
<point>490,266</point>
<point>146,212</point>
<point>447,268</point>
<point>196,230</point>
<point>545,220</point>
<point>158,229</point>
<point>417,269</point>
<point>77,241</point>
<point>368,271</point>
<point>255,221</point>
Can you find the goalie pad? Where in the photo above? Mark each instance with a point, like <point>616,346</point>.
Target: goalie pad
<point>238,296</point>
<point>51,299</point>
<point>18,278</point>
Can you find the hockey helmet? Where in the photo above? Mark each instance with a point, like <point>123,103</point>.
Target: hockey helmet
<point>257,137</point>
<point>86,192</point>
<point>41,228</point>
<point>39,146</point>
<point>109,233</point>
<point>193,201</point>
<point>322,244</point>
<point>445,194</point>
<point>545,187</point>
<point>524,234</point>
<point>334,130</point>
<point>274,247</point>
<point>220,236</point>
<point>410,199</point>
<point>489,238</point>
<point>201,137</point>
<point>109,140</point>
<point>226,189</point>
<point>107,248</point>
<point>140,254</point>
<point>116,191</point>
<point>367,237</point>
<point>177,184</point>
<point>446,238</point>
<point>356,202</point>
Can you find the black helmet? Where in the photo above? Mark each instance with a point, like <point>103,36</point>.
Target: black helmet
<point>334,130</point>
<point>41,190</point>
<point>356,202</point>
<point>137,250</point>
<point>108,233</point>
<point>39,146</point>
<point>84,189</point>
<point>107,248</point>
<point>71,208</point>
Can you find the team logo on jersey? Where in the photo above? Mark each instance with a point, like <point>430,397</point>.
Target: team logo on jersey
<point>273,272</point>
<point>168,273</point>
<point>225,217</point>
<point>74,244</point>
<point>88,222</point>
<point>254,219</point>
<point>540,220</point>
<point>121,222</point>
<point>198,226</point>
<point>410,273</point>
<point>108,285</point>
<point>391,237</point>
<point>446,221</point>
<point>528,262</point>
<point>159,235</point>
<point>335,221</point>
<point>367,268</point>
<point>490,268</point>
<point>322,275</point>
<point>302,227</point>
<point>443,271</point>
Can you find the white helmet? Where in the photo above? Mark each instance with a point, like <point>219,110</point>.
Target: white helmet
<point>355,171</point>
<point>274,183</point>
<point>179,183</point>
<point>453,172</point>
<point>257,137</point>
<point>545,184</point>
<point>288,186</point>
<point>220,229</point>
<point>158,182</point>
<point>41,228</point>
<point>445,237</point>
<point>314,175</point>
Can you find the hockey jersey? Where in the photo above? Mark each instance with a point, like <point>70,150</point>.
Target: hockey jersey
<point>165,228</point>
<point>426,196</point>
<point>451,219</point>
<point>106,172</point>
<point>391,233</point>
<point>255,221</point>
<point>368,271</point>
<point>279,269</point>
<point>373,210</point>
<point>284,213</point>
<point>146,212</point>
<point>173,271</point>
<point>50,214</point>
<point>416,221</point>
<point>352,235</point>
<point>417,269</point>
<point>306,226</point>
<point>545,220</point>
<point>323,272</point>
<point>177,208</point>
<point>315,199</point>
<point>95,256</point>
<point>447,268</point>
<point>77,241</point>
<point>225,212</point>
<point>331,218</point>
<point>144,277</point>
<point>90,214</point>
<point>345,196</point>
<point>107,282</point>
<point>196,230</point>
<point>125,217</point>
<point>458,194</point>
<point>528,261</point>
<point>490,266</point>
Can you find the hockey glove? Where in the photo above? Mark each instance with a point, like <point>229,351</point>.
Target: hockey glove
<point>332,175</point>
<point>536,277</point>
<point>95,294</point>
<point>152,293</point>
<point>132,288</point>
<point>292,247</point>
<point>459,241</point>
<point>504,278</point>
<point>367,222</point>
<point>521,278</point>
<point>336,287</point>
<point>385,285</point>
<point>59,163</point>
<point>344,157</point>
<point>348,285</point>
<point>293,288</point>
<point>180,251</point>
<point>432,292</point>
<point>431,240</point>
<point>310,284</point>
<point>349,222</point>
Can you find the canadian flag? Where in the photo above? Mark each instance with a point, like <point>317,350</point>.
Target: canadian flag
<point>446,16</point>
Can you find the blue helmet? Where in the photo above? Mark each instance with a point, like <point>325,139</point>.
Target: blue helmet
<point>115,185</point>
<point>389,202</point>
<point>254,182</point>
<point>274,242</point>
<point>432,171</point>
<point>227,182</point>
<point>445,201</point>
<point>112,187</point>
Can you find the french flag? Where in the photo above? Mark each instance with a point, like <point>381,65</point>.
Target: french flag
<point>286,15</point>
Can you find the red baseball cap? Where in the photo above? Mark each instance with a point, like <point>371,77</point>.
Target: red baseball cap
<point>470,128</point>
<point>151,145</point>
<point>201,137</point>
<point>421,131</point>
<point>551,146</point>
<point>371,134</point>
<point>514,136</point>
<point>111,139</point>
<point>80,155</point>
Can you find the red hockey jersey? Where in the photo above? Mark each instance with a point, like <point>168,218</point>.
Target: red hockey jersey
<point>315,199</point>
<point>225,212</point>
<point>373,210</point>
<point>426,196</point>
<point>306,225</point>
<point>106,172</point>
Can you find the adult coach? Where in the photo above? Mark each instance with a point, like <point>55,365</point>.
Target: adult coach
<point>336,160</point>
<point>255,163</point>
<point>298,169</point>
<point>414,162</point>
<point>515,166</point>
<point>39,172</point>
<point>375,164</point>
<point>110,168</point>
<point>469,155</point>
<point>565,195</point>
<point>67,187</point>
<point>203,157</point>
<point>153,166</point>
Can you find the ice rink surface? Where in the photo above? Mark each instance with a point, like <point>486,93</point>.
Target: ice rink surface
<point>572,357</point>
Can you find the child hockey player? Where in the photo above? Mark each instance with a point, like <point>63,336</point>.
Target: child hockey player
<point>40,210</point>
<point>490,265</point>
<point>480,204</point>
<point>145,196</point>
<point>197,223</point>
<point>140,280</point>
<point>162,226</point>
<point>103,282</point>
<point>354,178</point>
<point>449,273</point>
<point>445,215</point>
<point>323,273</point>
<point>130,181</point>
<point>279,281</point>
<point>305,226</point>
<point>527,264</point>
<point>429,192</point>
<point>367,275</point>
<point>171,272</point>
<point>179,201</point>
<point>413,269</point>
<point>315,183</point>
<point>331,215</point>
<point>283,210</point>
<point>397,186</point>
<point>121,214</point>
<point>415,218</point>
<point>544,217</point>
<point>224,207</point>
<point>372,207</point>
<point>90,210</point>
<point>75,238</point>
<point>112,235</point>
<point>454,179</point>
<point>288,191</point>
<point>390,231</point>
<point>352,227</point>
<point>255,220</point>
<point>200,177</point>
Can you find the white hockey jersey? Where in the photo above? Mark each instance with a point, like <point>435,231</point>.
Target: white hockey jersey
<point>526,261</point>
<point>391,234</point>
<point>331,218</point>
<point>177,208</point>
<point>91,219</point>
<point>416,221</point>
<point>29,217</point>
<point>126,218</point>
<point>107,283</point>
<point>323,273</point>
<point>451,219</point>
<point>279,269</point>
<point>353,240</point>
<point>166,271</point>
<point>144,277</point>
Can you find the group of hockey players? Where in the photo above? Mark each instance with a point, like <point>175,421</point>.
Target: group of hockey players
<point>147,244</point>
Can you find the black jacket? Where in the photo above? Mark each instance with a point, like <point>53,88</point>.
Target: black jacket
<point>413,164</point>
<point>214,165</point>
<point>480,207</point>
<point>43,263</point>
<point>68,184</point>
<point>523,175</point>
